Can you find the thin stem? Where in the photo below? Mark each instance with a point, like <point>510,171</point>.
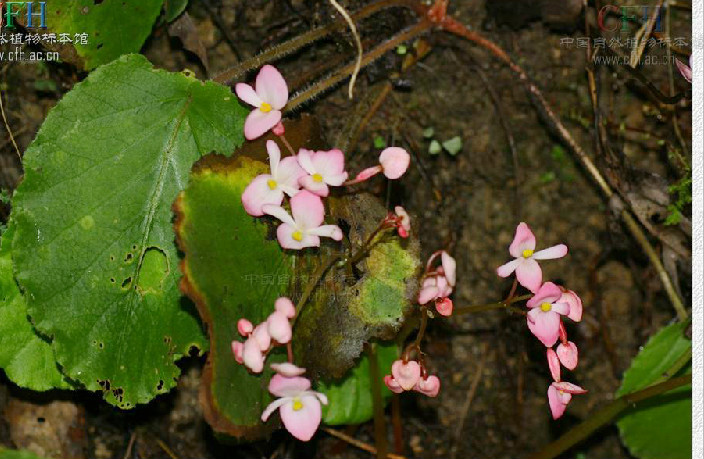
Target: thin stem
<point>506,304</point>
<point>366,247</point>
<point>316,89</point>
<point>605,415</point>
<point>293,45</point>
<point>288,145</point>
<point>421,330</point>
<point>380,441</point>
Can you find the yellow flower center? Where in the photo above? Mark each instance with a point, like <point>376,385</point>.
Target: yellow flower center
<point>297,404</point>
<point>527,253</point>
<point>272,184</point>
<point>266,108</point>
<point>317,178</point>
<point>297,235</point>
<point>546,307</point>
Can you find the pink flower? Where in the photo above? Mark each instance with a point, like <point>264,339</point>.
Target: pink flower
<point>285,306</point>
<point>392,384</point>
<point>287,369</point>
<point>270,188</point>
<point>244,327</point>
<point>568,354</point>
<point>406,374</point>
<point>324,168</point>
<point>252,356</point>
<point>527,269</point>
<point>404,221</point>
<point>393,162</point>
<point>279,327</point>
<point>438,285</point>
<point>237,351</point>
<point>429,385</point>
<point>575,304</point>
<point>305,227</point>
<point>298,406</point>
<point>685,70</point>
<point>544,314</point>
<point>269,97</point>
<point>560,395</point>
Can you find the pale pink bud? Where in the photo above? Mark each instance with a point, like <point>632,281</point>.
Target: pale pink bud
<point>429,386</point>
<point>568,355</point>
<point>285,306</point>
<point>237,350</point>
<point>444,306</point>
<point>392,384</point>
<point>394,162</point>
<point>245,327</point>
<point>406,374</point>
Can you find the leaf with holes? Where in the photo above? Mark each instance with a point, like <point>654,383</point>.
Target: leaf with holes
<point>110,28</point>
<point>94,247</point>
<point>660,426</point>
<point>26,357</point>
<point>350,399</point>
<point>233,268</point>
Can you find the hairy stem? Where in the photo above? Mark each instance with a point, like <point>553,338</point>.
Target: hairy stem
<point>317,277</point>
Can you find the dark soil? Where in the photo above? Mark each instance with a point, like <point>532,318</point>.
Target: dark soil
<point>469,203</point>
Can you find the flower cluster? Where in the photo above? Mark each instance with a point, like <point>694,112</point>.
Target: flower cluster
<point>411,375</point>
<point>276,329</point>
<point>305,177</point>
<point>437,285</point>
<point>547,307</point>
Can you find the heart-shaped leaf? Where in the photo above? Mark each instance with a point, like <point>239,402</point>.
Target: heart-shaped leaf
<point>94,247</point>
<point>26,358</point>
<point>661,426</point>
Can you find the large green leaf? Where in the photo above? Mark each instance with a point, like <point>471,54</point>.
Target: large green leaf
<point>94,249</point>
<point>232,269</point>
<point>17,454</point>
<point>113,27</point>
<point>350,399</point>
<point>26,358</point>
<point>661,427</point>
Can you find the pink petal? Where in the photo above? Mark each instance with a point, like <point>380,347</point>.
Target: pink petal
<point>507,269</point>
<point>247,94</point>
<point>406,374</point>
<point>444,307</point>
<point>237,350</point>
<point>284,234</point>
<point>568,354</point>
<point>429,386</point>
<point>244,327</point>
<point>450,266</point>
<point>524,239</point>
<point>258,194</point>
<point>279,327</point>
<point>685,70</point>
<point>305,159</point>
<point>271,87</point>
<point>273,406</point>
<point>561,308</point>
<point>290,172</point>
<point>548,293</point>
<point>405,218</point>
<point>553,364</point>
<point>529,274</point>
<point>544,325</point>
<point>367,173</point>
<point>318,188</point>
<point>336,179</point>
<point>280,213</point>
<point>329,163</point>
<point>551,253</point>
<point>557,408</point>
<point>303,423</point>
<point>307,210</point>
<point>261,336</point>
<point>259,122</point>
<point>392,384</point>
<point>569,388</point>
<point>394,162</point>
<point>285,306</point>
<point>284,386</point>
<point>252,356</point>
<point>287,369</point>
<point>427,294</point>
<point>274,157</point>
<point>332,231</point>
<point>569,297</point>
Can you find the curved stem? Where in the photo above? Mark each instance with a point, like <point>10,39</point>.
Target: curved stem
<point>605,415</point>
<point>506,304</point>
<point>317,277</point>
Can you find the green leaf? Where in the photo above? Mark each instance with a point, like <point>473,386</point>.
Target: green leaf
<point>660,427</point>
<point>453,145</point>
<point>94,249</point>
<point>232,269</point>
<point>114,27</point>
<point>174,8</point>
<point>434,148</point>
<point>26,358</point>
<point>17,454</point>
<point>350,399</point>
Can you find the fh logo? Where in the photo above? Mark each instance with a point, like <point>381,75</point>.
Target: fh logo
<point>628,14</point>
<point>34,14</point>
